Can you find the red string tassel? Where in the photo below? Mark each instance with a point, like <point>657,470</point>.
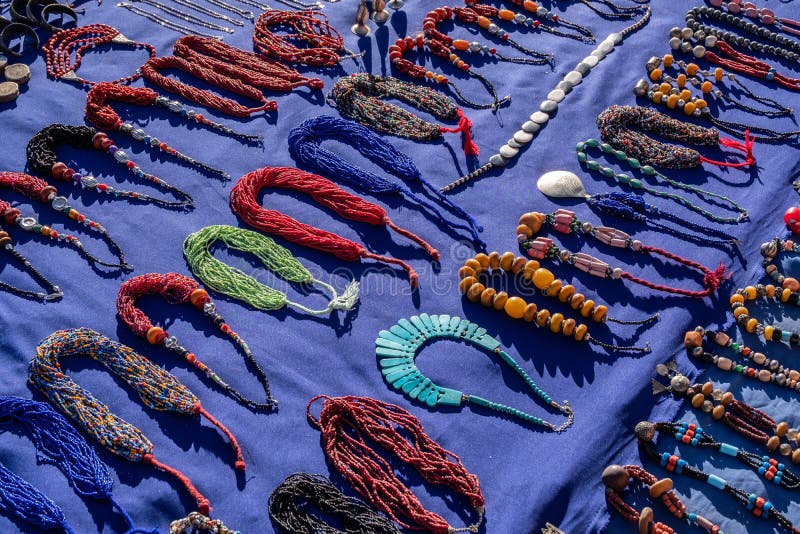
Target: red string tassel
<point>465,127</point>
<point>203,505</point>
<point>746,147</point>
<point>239,464</point>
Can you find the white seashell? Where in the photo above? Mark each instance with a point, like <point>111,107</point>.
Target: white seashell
<point>561,184</point>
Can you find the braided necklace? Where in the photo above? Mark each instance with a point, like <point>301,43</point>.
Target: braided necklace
<point>540,13</point>
<point>487,267</point>
<point>770,251</point>
<point>616,479</point>
<point>397,349</point>
<point>244,202</point>
<point>758,506</point>
<point>346,422</point>
<point>304,146</point>
<point>156,388</point>
<point>290,506</point>
<point>179,289</point>
<point>308,27</point>
<point>197,522</point>
<point>103,117</point>
<point>38,190</point>
<point>60,47</point>
<point>234,283</point>
<point>616,128</point>
<point>57,443</point>
<point>581,151</point>
<point>360,97</point>
<point>628,207</point>
<point>565,222</point>
<point>41,153</point>
<point>7,245</point>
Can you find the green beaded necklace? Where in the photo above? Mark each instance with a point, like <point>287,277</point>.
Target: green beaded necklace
<point>648,170</point>
<point>234,283</point>
<point>397,348</point>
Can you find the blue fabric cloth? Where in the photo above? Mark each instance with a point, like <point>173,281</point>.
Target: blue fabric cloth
<point>528,477</point>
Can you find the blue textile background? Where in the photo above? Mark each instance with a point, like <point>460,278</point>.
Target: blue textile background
<point>528,477</point>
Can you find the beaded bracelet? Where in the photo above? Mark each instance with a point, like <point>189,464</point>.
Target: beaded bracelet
<point>39,190</point>
<point>59,444</point>
<point>648,170</point>
<point>6,244</point>
<point>304,146</point>
<point>41,153</point>
<point>197,522</point>
<point>179,289</point>
<point>397,349</point>
<point>565,222</point>
<point>770,293</point>
<point>393,429</point>
<point>244,202</point>
<point>360,97</point>
<point>156,388</point>
<point>517,308</point>
<point>616,479</point>
<point>293,503</point>
<point>234,283</point>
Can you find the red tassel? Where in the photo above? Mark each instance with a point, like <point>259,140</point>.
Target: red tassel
<point>465,127</point>
<point>746,147</point>
<point>240,465</point>
<point>203,506</point>
<point>713,279</point>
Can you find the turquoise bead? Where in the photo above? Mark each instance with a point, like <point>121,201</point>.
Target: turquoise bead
<point>592,165</point>
<point>605,147</point>
<point>620,155</point>
<point>608,172</point>
<point>648,170</point>
<point>582,157</point>
<point>623,178</point>
<point>636,183</point>
<point>593,143</point>
<point>634,163</point>
<point>580,147</point>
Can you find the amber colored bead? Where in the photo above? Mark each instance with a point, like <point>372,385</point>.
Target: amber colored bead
<point>672,101</point>
<point>199,297</point>
<point>664,88</point>
<point>736,297</point>
<point>577,301</point>
<point>718,412</point>
<point>473,264</point>
<point>785,294</point>
<point>718,74</point>
<point>750,293</point>
<point>474,292</point>
<point>686,95</point>
<point>688,108</point>
<point>506,260</point>
<point>580,332</point>
<point>465,272</point>
<point>773,443</point>
<point>587,308</point>
<point>482,259</point>
<point>660,487</point>
<point>487,297</point>
<point>45,230</point>
<point>530,312</point>
<point>155,335</point>
<point>781,429</point>
<point>500,300</point>
<point>566,292</point>
<point>518,264</point>
<point>691,69</point>
<point>727,397</point>
<point>553,288</point>
<point>530,6</point>
<point>542,278</point>
<point>768,330</point>
<point>529,269</point>
<point>791,284</point>
<point>505,14</point>
<point>461,45</point>
<point>681,80</point>
<point>657,97</point>
<point>494,260</point>
<point>542,316</point>
<point>667,59</point>
<point>568,326</point>
<point>700,103</point>
<point>655,75</point>
<point>692,339</point>
<point>525,230</point>
<point>555,322</point>
<point>796,456</point>
<point>645,520</point>
<point>769,290</point>
<point>532,220</point>
<point>741,310</point>
<point>707,389</point>
<point>698,399</point>
<point>750,327</point>
<point>466,283</point>
<point>515,307</point>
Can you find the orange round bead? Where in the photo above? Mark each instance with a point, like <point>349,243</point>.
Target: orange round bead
<point>515,307</point>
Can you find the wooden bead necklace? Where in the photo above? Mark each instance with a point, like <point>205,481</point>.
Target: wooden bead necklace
<point>397,349</point>
<point>197,522</point>
<point>234,283</point>
<point>179,289</point>
<point>308,27</point>
<point>538,14</point>
<point>770,251</point>
<point>484,266</point>
<point>771,294</point>
<point>60,47</point>
<point>305,146</point>
<point>103,117</point>
<point>41,153</point>
<point>750,422</point>
<point>156,388</point>
<point>244,202</point>
<point>616,479</point>
<point>347,422</point>
<point>565,222</point>
<point>293,503</point>
<point>361,97</point>
<point>582,149</point>
<point>619,124</point>
<point>38,190</point>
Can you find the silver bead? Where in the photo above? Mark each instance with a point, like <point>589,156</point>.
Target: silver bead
<point>519,18</point>
<point>675,32</point>
<point>126,128</point>
<point>121,156</point>
<point>711,41</point>
<point>171,342</point>
<point>564,255</point>
<point>154,142</point>
<point>641,87</point>
<point>27,223</point>
<point>209,308</point>
<point>493,28</point>
<point>616,273</point>
<point>475,47</point>
<point>138,134</point>
<point>687,33</point>
<point>59,203</point>
<point>89,182</point>
<point>675,43</point>
<point>586,227</point>
<point>175,106</point>
<point>498,161</point>
<point>686,47</point>
<point>699,51</point>
<point>699,35</point>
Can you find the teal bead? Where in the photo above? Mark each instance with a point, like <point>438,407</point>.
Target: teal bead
<point>634,163</point>
<point>592,165</point>
<point>648,170</point>
<point>580,147</point>
<point>593,143</point>
<point>582,157</point>
<point>623,178</point>
<point>605,147</point>
<point>620,155</point>
<point>636,184</point>
<point>608,172</point>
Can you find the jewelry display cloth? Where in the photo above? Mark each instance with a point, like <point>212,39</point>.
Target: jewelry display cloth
<point>528,476</point>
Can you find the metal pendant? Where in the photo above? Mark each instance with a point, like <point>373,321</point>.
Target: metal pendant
<point>360,28</point>
<point>561,184</point>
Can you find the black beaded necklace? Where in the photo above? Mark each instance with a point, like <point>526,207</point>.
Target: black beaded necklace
<point>53,291</point>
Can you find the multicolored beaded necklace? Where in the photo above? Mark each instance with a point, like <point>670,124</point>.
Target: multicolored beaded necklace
<point>582,148</point>
<point>305,147</point>
<point>484,266</point>
<point>157,389</point>
<point>57,443</point>
<point>758,506</point>
<point>347,422</point>
<point>539,14</point>
<point>616,479</point>
<point>763,15</point>
<point>179,289</point>
<point>39,190</point>
<point>244,202</point>
<point>617,125</point>
<point>6,244</point>
<point>234,283</point>
<point>41,153</point>
<point>397,349</point>
<point>779,295</point>
<point>769,251</point>
<point>293,503</point>
<point>360,97</point>
<point>197,522</point>
<point>565,222</point>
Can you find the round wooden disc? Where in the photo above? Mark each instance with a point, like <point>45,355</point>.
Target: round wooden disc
<point>18,73</point>
<point>8,91</point>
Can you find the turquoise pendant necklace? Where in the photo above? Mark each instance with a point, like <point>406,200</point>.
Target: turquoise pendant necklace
<point>397,348</point>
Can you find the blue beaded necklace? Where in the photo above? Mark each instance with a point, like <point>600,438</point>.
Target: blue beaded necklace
<point>397,348</point>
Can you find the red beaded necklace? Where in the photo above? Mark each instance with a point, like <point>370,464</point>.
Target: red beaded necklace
<point>59,48</point>
<point>742,63</point>
<point>244,202</point>
<point>347,422</point>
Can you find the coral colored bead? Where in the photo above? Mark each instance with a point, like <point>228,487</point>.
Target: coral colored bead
<point>515,307</point>
<point>530,6</point>
<point>198,297</point>
<point>769,290</point>
<point>483,22</point>
<point>505,14</point>
<point>461,45</point>
<point>156,335</point>
<point>542,278</point>
<point>791,216</point>
<point>500,300</point>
